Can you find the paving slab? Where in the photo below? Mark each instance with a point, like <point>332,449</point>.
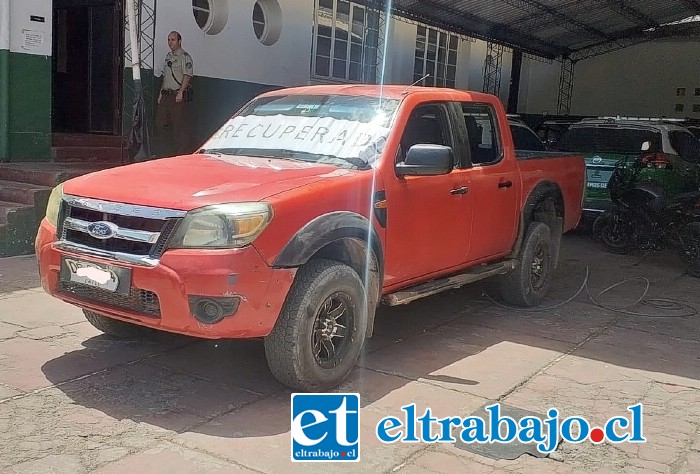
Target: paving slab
<point>45,429</point>
<point>173,459</point>
<point>477,360</point>
<point>35,309</point>
<point>18,273</point>
<point>240,363</point>
<point>74,400</point>
<point>163,398</point>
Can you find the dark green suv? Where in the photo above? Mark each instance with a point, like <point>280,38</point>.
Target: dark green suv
<point>671,159</point>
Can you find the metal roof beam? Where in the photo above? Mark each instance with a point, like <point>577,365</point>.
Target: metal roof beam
<point>428,12</point>
<point>670,31</point>
<point>694,4</point>
<point>621,7</point>
<point>565,21</point>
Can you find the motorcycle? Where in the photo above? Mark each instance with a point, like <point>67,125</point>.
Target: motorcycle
<point>643,217</point>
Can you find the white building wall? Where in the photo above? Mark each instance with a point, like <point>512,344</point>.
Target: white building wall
<point>463,80</point>
<point>235,52</point>
<point>636,81</point>
<point>539,87</point>
<point>400,52</point>
<point>5,24</point>
<point>639,81</point>
<point>475,69</point>
<point>21,28</point>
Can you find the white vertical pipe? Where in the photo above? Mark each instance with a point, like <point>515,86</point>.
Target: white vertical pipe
<point>133,39</point>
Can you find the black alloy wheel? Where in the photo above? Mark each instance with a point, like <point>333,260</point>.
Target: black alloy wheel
<point>332,331</point>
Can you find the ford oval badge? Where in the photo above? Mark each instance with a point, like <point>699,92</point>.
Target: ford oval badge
<point>102,230</point>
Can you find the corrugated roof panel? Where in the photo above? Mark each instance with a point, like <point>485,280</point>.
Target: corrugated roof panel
<point>546,27</point>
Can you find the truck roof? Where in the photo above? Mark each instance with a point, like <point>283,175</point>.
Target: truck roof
<point>394,91</point>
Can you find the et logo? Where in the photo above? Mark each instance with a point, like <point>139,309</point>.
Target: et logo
<point>325,427</point>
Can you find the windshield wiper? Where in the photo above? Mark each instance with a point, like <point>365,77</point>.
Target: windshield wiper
<point>219,151</point>
<point>289,155</point>
<point>255,152</point>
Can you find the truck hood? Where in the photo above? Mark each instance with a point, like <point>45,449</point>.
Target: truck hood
<point>192,181</point>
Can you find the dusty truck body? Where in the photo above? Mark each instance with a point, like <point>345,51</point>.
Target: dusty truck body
<point>305,211</point>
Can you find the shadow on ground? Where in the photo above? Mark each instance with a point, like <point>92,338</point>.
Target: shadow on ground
<point>447,341</point>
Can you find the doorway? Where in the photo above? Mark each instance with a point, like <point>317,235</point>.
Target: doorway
<point>87,66</point>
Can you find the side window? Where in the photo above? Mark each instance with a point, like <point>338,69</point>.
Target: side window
<point>427,125</point>
<point>685,144</point>
<point>482,130</point>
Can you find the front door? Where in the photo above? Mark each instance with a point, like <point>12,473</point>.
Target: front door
<point>429,217</point>
<point>87,45</point>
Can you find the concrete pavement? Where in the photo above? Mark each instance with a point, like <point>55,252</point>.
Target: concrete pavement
<point>73,400</point>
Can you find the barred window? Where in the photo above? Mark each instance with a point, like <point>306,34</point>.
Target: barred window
<point>436,55</point>
<point>345,41</point>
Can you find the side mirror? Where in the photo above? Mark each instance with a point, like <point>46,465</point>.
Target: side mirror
<point>426,160</point>
<point>646,146</point>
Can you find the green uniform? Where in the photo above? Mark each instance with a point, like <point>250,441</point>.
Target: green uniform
<point>173,122</point>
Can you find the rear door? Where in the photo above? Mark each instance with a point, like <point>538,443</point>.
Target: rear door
<point>494,183</point>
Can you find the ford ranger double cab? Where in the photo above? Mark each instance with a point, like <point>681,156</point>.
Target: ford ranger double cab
<point>305,211</point>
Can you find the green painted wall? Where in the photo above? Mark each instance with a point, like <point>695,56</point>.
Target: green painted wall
<point>29,107</point>
<point>4,105</point>
<point>215,100</point>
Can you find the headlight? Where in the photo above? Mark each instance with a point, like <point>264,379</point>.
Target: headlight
<point>222,226</point>
<point>54,205</point>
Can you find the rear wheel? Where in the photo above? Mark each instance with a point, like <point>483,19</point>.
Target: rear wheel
<point>117,328</point>
<point>528,283</point>
<point>321,330</point>
<point>614,232</point>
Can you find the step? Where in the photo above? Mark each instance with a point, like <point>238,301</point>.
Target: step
<point>84,154</point>
<point>86,140</point>
<point>477,273</point>
<point>7,208</point>
<point>45,174</point>
<point>38,177</point>
<point>23,193</point>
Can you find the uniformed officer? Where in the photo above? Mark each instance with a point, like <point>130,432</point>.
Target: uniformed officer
<point>173,101</point>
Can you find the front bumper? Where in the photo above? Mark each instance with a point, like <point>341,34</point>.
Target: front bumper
<point>160,296</point>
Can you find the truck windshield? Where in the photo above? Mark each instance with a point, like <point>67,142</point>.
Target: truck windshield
<point>343,130</point>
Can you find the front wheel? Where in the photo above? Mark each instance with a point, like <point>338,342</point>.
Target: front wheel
<point>527,284</point>
<point>690,251</point>
<point>321,330</point>
<point>614,232</point>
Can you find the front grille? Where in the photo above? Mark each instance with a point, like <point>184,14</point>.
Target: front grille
<point>110,245</point>
<point>139,301</point>
<point>141,231</point>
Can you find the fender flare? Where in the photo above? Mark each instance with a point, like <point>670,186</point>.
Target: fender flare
<point>324,230</point>
<point>543,190</point>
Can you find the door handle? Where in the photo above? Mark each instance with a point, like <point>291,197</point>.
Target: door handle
<point>461,190</point>
<point>505,184</point>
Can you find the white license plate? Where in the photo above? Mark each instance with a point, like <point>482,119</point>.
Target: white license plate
<point>91,274</point>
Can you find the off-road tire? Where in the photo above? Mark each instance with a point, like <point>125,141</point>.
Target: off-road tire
<point>118,329</point>
<point>291,354</point>
<point>527,284</point>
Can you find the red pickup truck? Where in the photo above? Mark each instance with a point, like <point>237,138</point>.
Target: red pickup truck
<point>304,212</point>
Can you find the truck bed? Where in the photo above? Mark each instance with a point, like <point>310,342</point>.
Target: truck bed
<point>536,155</point>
